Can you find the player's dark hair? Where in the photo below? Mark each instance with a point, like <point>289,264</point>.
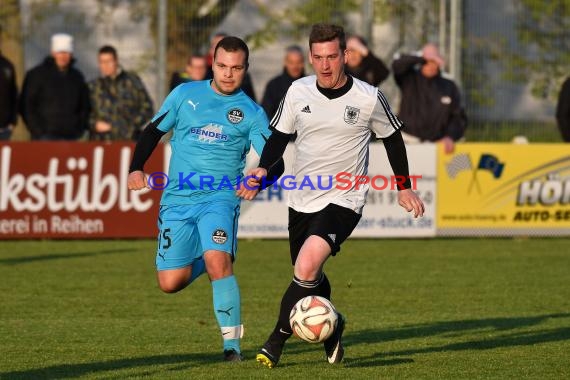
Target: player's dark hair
<point>327,32</point>
<point>233,44</point>
<point>108,49</point>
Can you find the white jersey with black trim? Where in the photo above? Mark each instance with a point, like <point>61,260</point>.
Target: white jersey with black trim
<point>332,139</point>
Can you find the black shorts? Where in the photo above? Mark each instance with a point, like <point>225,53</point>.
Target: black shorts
<point>333,223</point>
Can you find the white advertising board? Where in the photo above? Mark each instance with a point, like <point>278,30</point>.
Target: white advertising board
<point>267,215</point>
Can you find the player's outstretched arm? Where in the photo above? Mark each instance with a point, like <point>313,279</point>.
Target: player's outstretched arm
<point>396,150</point>
<point>144,148</point>
<point>410,201</point>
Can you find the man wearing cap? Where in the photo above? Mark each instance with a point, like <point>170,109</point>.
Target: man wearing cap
<point>55,98</point>
<point>431,104</point>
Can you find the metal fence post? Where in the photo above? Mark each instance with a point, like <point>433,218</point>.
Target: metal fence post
<point>443,27</point>
<point>162,48</point>
<point>455,41</point>
<point>367,20</point>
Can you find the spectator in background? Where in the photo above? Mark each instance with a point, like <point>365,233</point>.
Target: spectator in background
<point>196,69</point>
<point>247,85</point>
<point>55,98</point>
<point>431,105</point>
<point>120,102</point>
<point>8,98</point>
<point>563,110</point>
<point>294,68</point>
<point>362,64</point>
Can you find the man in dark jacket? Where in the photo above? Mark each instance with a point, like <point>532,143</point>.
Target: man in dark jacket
<point>8,98</point>
<point>196,69</point>
<point>55,98</point>
<point>431,105</point>
<point>293,69</point>
<point>120,103</point>
<point>362,64</point>
<point>563,111</point>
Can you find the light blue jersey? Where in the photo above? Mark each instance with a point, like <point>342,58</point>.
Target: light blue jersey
<point>212,135</point>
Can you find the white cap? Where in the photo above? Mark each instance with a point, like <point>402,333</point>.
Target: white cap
<point>61,42</point>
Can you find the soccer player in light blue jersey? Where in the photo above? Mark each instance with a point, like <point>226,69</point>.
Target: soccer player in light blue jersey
<point>214,123</point>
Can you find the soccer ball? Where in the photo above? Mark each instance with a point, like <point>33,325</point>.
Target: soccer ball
<point>313,319</point>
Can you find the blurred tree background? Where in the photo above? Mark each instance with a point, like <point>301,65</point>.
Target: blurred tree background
<point>542,54</point>
<point>504,44</point>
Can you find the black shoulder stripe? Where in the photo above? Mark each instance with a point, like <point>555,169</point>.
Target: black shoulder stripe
<point>154,124</point>
<point>394,121</point>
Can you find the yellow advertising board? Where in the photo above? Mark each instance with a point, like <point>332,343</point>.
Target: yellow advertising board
<point>504,189</point>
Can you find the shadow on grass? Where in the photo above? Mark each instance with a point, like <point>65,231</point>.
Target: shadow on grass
<point>502,337</point>
<point>374,361</point>
<point>519,339</point>
<point>57,256</point>
<point>66,371</point>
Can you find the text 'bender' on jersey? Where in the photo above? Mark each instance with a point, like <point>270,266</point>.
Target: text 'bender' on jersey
<point>212,134</point>
<point>332,137</point>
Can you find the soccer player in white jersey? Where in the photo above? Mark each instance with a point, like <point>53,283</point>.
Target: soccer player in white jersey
<point>334,115</point>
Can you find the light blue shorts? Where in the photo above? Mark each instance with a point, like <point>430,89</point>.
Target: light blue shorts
<point>187,231</point>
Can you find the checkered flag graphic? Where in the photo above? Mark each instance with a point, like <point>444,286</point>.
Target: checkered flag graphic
<point>459,163</point>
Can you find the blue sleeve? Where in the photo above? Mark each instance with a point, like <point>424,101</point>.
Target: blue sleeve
<point>168,111</point>
<point>259,132</point>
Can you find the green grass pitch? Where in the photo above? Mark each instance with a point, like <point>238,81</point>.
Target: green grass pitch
<point>416,309</point>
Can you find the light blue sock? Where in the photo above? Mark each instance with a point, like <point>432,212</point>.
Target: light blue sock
<point>228,312</point>
<point>198,268</point>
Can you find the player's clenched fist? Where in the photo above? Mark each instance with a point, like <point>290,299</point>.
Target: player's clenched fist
<point>137,180</point>
<point>250,188</point>
<point>255,176</point>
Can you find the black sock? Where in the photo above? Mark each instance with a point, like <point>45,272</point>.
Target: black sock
<point>325,288</point>
<point>297,289</point>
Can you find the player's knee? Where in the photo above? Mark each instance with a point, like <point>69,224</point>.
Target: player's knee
<point>218,265</point>
<point>169,288</point>
<point>219,273</point>
<point>170,285</point>
<point>306,270</point>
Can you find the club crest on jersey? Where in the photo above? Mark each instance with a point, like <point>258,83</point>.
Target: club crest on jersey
<point>235,115</point>
<point>351,114</point>
<point>219,236</point>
